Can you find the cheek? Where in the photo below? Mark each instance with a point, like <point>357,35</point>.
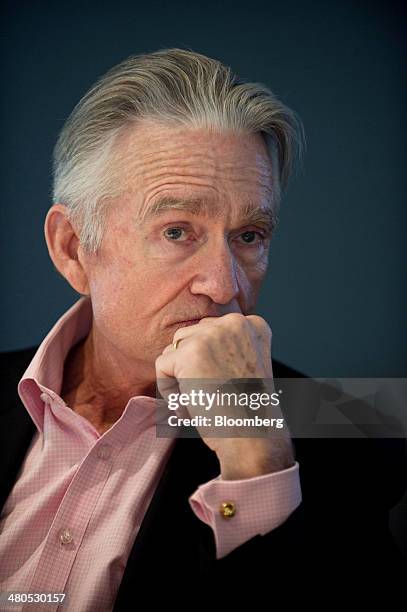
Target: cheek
<point>250,281</point>
<point>127,297</point>
<point>115,290</point>
<point>251,277</point>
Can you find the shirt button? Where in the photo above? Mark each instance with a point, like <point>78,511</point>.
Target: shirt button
<point>104,451</point>
<point>65,536</point>
<point>227,509</point>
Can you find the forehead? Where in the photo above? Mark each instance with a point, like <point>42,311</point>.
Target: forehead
<point>151,147</point>
<point>155,160</point>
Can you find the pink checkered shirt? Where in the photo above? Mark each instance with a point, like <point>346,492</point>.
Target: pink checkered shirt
<point>71,519</point>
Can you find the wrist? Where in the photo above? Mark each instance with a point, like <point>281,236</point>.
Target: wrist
<point>252,458</point>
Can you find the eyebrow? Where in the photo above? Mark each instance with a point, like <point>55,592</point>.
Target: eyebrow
<point>251,213</point>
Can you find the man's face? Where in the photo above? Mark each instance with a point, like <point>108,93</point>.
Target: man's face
<point>156,270</point>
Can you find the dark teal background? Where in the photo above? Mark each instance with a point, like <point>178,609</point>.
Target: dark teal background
<point>335,296</point>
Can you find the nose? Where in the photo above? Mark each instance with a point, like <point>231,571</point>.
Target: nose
<point>218,274</point>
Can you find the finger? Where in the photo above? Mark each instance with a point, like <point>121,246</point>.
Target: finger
<point>165,377</point>
<point>190,330</point>
<point>170,347</point>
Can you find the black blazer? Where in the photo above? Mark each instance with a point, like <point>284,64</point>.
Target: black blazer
<point>337,541</point>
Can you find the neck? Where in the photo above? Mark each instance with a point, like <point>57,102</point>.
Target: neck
<point>98,381</point>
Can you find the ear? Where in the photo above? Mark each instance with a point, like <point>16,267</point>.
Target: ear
<point>64,248</point>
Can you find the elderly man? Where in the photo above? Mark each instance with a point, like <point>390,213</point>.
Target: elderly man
<point>167,181</point>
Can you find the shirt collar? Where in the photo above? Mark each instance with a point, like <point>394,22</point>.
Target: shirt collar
<point>45,372</point>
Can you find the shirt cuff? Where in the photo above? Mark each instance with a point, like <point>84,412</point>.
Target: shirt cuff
<point>259,505</point>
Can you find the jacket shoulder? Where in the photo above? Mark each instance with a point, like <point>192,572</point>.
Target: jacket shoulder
<point>12,360</point>
<point>281,370</point>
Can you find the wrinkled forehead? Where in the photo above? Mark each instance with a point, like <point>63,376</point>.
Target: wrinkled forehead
<point>150,149</point>
<point>204,169</point>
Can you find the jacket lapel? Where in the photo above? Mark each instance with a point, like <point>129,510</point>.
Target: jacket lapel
<point>170,530</point>
<point>16,432</point>
<point>16,426</point>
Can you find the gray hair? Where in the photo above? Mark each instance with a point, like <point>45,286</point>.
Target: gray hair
<point>174,86</point>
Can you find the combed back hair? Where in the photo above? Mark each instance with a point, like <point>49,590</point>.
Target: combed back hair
<point>178,88</point>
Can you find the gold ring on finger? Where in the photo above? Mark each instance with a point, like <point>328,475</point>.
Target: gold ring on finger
<point>175,344</point>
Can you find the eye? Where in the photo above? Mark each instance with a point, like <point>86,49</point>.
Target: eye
<point>173,234</point>
<point>249,237</point>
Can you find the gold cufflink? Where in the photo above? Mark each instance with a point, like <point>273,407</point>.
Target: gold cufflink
<point>227,509</point>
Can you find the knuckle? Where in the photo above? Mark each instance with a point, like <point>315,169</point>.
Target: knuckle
<point>236,320</point>
<point>198,346</point>
<point>261,323</point>
<point>202,340</point>
<point>268,330</point>
<point>256,319</point>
